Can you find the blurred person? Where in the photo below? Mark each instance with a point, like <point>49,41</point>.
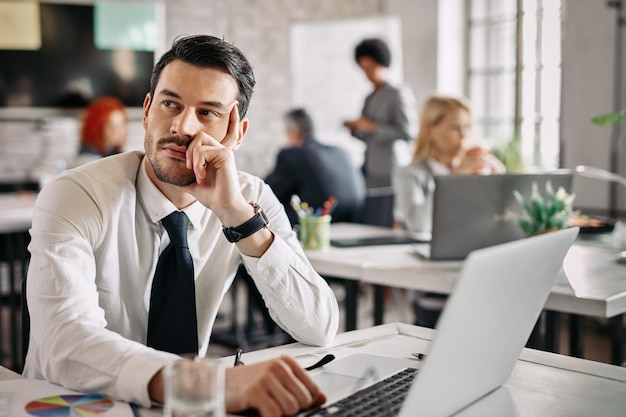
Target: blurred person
<point>315,172</point>
<point>104,130</point>
<point>388,118</point>
<point>444,146</point>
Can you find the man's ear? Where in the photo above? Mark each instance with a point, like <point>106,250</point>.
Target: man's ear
<point>146,107</point>
<point>243,129</point>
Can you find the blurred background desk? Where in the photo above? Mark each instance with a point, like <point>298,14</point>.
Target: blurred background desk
<point>593,284</point>
<point>16,212</point>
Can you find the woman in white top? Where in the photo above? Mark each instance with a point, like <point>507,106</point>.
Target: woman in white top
<point>443,146</point>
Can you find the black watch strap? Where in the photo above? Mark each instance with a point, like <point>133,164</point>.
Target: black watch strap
<point>256,223</point>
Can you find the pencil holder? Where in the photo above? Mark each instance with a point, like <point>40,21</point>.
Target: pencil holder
<point>315,232</point>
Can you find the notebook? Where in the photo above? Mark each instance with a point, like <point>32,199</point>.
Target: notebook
<point>485,324</point>
<point>468,210</point>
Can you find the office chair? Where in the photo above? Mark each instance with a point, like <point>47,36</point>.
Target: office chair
<point>14,252</point>
<point>378,207</point>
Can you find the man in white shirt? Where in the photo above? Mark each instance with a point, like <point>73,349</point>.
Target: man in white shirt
<point>97,235</point>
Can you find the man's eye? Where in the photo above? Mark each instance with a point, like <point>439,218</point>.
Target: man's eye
<point>208,113</point>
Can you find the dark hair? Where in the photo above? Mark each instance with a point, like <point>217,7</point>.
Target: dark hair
<point>374,48</point>
<point>300,119</point>
<point>210,52</point>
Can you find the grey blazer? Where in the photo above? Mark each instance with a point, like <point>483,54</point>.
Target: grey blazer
<point>394,112</point>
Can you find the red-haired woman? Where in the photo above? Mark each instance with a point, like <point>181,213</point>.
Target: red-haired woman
<point>104,130</point>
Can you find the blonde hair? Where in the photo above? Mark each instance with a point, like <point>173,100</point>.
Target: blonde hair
<point>434,109</point>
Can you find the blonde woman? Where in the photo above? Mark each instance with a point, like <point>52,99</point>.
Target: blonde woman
<point>443,146</point>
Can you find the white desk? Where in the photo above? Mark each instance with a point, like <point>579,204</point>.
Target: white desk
<point>593,284</point>
<point>542,383</point>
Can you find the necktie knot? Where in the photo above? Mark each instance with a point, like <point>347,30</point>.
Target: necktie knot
<point>176,225</point>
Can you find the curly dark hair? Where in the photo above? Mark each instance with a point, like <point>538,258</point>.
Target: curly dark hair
<point>210,52</point>
<point>375,48</point>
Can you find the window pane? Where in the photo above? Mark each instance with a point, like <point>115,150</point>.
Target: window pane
<point>482,9</point>
<point>503,44</point>
<point>493,72</point>
<point>493,46</point>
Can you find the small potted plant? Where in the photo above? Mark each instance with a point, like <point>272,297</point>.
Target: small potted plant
<point>542,215</point>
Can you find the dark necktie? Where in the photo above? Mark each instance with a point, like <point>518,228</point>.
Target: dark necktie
<point>172,322</point>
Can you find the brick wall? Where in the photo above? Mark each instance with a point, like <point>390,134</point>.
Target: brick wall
<point>31,148</point>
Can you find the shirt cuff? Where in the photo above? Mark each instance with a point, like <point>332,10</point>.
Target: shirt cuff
<point>137,373</point>
<point>274,263</point>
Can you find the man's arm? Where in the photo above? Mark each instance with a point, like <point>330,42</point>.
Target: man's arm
<point>69,341</point>
<point>275,387</point>
<point>297,297</point>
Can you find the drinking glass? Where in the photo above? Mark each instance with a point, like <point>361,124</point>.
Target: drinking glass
<point>194,388</point>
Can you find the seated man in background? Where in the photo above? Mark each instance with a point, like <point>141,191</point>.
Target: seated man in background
<point>132,254</point>
<point>315,172</point>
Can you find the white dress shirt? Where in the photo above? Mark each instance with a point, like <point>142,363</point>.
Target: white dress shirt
<point>96,238</point>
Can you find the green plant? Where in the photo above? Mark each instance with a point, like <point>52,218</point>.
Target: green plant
<point>543,214</point>
<point>509,153</point>
<point>605,119</point>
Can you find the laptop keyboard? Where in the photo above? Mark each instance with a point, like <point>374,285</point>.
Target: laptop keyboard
<point>382,399</point>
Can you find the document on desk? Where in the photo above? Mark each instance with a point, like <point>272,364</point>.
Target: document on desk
<point>33,398</point>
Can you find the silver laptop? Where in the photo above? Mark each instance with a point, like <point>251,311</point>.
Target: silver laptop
<point>486,323</point>
<point>468,210</point>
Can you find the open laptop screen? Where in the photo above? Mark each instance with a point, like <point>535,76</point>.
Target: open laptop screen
<point>469,210</point>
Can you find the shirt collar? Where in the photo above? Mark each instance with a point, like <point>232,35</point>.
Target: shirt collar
<point>157,205</point>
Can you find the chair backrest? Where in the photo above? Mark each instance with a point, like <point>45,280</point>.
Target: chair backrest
<point>25,323</point>
<point>378,207</point>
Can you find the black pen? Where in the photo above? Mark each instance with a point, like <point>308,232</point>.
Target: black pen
<point>238,361</point>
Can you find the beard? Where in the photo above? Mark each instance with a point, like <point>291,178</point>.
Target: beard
<point>168,170</point>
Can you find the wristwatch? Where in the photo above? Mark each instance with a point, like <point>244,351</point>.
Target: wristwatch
<point>256,223</point>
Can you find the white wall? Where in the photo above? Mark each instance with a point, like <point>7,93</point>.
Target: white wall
<point>419,20</point>
<point>587,90</point>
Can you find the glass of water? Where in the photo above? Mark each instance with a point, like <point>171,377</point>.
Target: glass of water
<point>194,388</point>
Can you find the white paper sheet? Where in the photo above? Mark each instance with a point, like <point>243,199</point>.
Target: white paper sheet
<point>22,398</point>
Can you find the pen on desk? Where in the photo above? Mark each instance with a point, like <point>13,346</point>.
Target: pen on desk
<point>238,361</point>
<point>326,359</point>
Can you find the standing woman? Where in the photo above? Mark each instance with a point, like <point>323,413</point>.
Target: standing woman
<point>388,114</point>
<point>444,146</point>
